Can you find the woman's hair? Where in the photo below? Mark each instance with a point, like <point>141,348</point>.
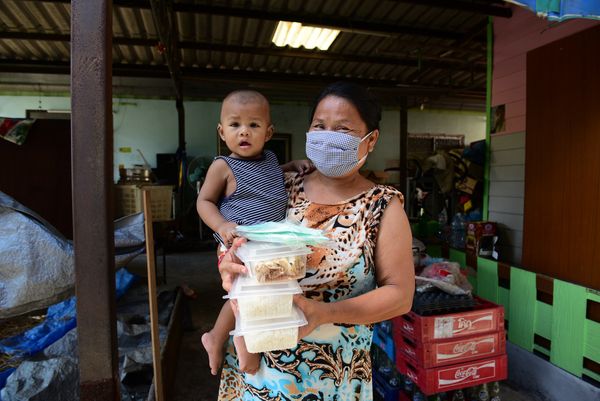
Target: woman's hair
<point>367,106</point>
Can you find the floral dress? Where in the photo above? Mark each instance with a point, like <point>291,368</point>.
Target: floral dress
<point>332,362</point>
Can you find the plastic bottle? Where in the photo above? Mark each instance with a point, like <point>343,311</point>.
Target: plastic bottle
<point>409,386</point>
<point>495,391</point>
<point>458,231</point>
<point>458,396</point>
<point>442,220</point>
<point>418,396</point>
<point>472,393</point>
<point>484,394</point>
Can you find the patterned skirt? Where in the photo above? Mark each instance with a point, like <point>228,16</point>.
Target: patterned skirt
<point>333,363</point>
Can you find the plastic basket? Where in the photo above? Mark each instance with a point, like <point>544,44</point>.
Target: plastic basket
<point>450,351</point>
<point>484,318</point>
<point>129,200</point>
<point>444,378</point>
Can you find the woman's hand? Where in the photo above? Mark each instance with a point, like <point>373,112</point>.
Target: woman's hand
<point>314,311</point>
<point>230,265</point>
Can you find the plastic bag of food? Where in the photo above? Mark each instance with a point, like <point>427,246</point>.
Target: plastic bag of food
<point>446,276</point>
<point>283,232</point>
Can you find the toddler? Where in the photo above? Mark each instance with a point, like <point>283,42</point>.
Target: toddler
<point>243,188</point>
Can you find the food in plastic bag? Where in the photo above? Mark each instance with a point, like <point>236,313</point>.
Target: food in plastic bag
<point>283,232</point>
<point>446,276</point>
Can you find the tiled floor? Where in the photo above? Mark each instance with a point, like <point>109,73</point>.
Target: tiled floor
<point>197,269</point>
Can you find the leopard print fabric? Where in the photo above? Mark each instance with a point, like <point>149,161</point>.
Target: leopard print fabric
<point>333,362</point>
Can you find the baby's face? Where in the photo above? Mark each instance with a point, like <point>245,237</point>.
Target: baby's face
<point>245,127</point>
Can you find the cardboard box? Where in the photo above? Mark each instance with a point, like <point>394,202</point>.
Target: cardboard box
<point>480,237</point>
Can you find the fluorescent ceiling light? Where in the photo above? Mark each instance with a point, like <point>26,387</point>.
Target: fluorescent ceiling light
<point>295,34</point>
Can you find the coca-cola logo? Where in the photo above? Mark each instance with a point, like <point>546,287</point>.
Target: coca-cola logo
<point>464,323</point>
<point>464,348</point>
<point>465,373</point>
<point>412,376</point>
<point>409,351</point>
<point>406,326</point>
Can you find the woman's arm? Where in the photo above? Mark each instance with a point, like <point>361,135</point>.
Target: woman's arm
<point>395,278</point>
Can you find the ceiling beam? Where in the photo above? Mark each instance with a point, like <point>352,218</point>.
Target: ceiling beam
<point>214,74</point>
<point>344,24</point>
<point>329,21</point>
<point>411,61</point>
<point>477,7</point>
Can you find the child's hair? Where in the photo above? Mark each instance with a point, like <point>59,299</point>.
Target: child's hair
<point>246,96</point>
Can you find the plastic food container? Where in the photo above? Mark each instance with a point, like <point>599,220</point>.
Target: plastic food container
<point>263,301</point>
<point>269,262</point>
<point>270,334</point>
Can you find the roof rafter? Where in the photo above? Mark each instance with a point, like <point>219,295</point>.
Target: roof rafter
<point>414,61</point>
<point>478,7</point>
<point>133,70</point>
<point>330,21</point>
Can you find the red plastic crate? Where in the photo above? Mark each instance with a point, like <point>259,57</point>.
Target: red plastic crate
<point>450,351</point>
<point>445,378</point>
<point>484,318</point>
<point>404,397</point>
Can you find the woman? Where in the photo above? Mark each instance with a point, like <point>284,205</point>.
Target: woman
<point>365,278</point>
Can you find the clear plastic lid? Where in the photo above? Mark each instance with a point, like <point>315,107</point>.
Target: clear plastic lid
<point>295,320</point>
<point>253,251</point>
<point>246,286</point>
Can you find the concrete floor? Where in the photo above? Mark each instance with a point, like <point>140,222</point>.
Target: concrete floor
<point>198,270</point>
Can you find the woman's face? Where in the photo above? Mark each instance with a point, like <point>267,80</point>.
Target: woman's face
<point>335,113</point>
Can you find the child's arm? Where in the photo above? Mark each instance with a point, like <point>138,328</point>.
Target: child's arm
<point>213,189</point>
<point>301,166</point>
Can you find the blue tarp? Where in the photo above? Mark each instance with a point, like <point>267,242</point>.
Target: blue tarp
<point>560,10</point>
<point>60,318</point>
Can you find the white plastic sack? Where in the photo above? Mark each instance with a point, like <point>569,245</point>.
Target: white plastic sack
<point>36,261</point>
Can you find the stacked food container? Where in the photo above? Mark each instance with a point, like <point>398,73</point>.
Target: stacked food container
<point>267,317</point>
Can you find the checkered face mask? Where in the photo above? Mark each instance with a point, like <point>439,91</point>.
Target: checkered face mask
<point>334,153</point>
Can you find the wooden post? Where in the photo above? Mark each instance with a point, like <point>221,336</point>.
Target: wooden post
<point>92,172</point>
<point>150,261</point>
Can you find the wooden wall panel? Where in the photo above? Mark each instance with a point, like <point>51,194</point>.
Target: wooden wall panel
<point>38,173</point>
<point>562,179</point>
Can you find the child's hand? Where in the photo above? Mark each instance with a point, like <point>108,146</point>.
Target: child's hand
<point>301,166</point>
<point>227,232</point>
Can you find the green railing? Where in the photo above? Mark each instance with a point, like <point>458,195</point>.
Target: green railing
<point>561,331</point>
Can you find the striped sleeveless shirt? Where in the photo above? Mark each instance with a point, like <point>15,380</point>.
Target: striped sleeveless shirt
<point>260,193</point>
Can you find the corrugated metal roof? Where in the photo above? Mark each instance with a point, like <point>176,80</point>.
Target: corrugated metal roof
<point>417,48</point>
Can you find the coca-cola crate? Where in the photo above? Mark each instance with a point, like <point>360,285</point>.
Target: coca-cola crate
<point>450,351</point>
<point>445,378</point>
<point>484,318</point>
<point>402,396</point>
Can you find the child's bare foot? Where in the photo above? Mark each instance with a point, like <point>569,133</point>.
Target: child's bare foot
<point>188,292</point>
<point>248,362</point>
<point>214,351</point>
